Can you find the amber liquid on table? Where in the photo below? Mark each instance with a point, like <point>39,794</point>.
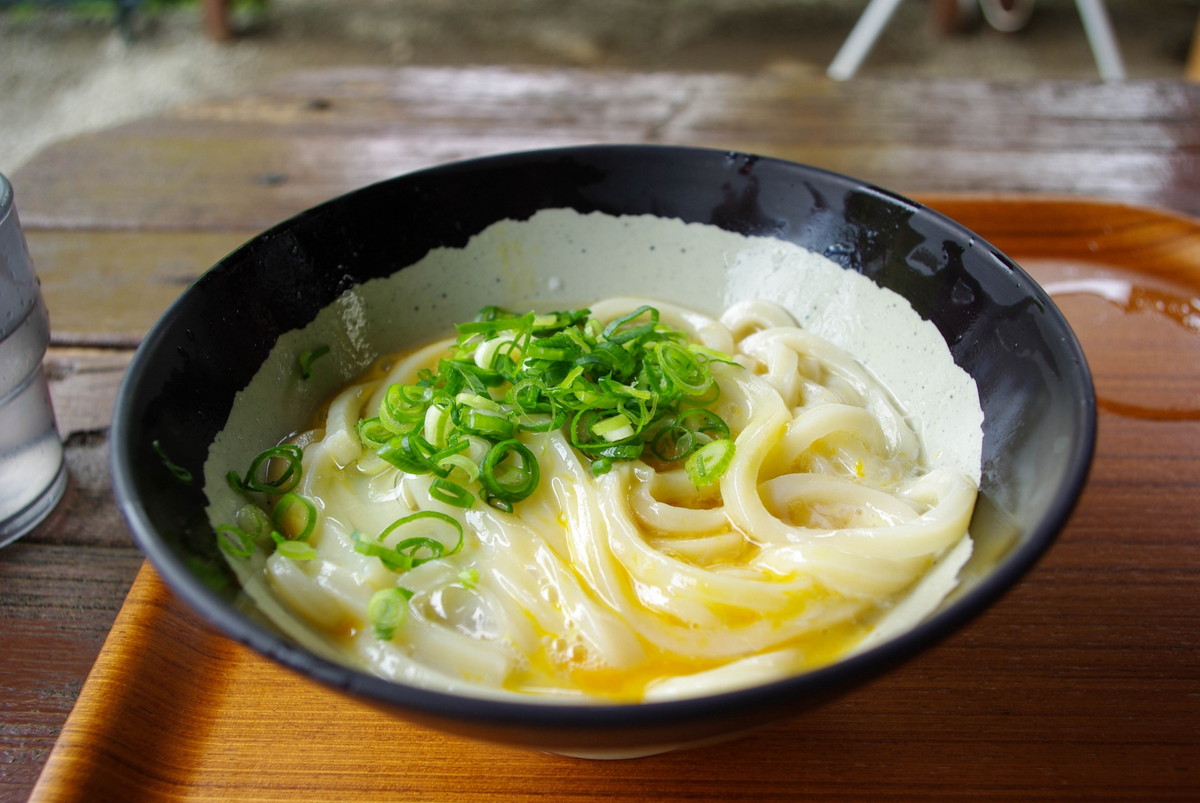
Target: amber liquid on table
<point>1135,330</point>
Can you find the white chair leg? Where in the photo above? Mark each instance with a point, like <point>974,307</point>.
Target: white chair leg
<point>1100,36</point>
<point>861,39</point>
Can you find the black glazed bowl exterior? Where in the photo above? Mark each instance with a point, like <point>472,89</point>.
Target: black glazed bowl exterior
<point>1035,388</point>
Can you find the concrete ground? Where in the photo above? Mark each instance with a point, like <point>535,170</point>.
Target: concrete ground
<point>62,74</point>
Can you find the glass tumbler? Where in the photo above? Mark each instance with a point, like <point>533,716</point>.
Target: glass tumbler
<point>32,474</point>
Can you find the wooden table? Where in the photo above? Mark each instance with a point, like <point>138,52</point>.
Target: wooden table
<point>1083,683</point>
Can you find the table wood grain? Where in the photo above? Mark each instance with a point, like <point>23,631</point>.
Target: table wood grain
<point>1081,684</point>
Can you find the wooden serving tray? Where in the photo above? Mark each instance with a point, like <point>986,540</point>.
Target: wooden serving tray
<point>1080,684</point>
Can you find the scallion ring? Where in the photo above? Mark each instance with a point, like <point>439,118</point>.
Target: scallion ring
<point>703,420</point>
<point>428,514</point>
<point>390,558</point>
<point>285,515</point>
<point>234,541</point>
<point>373,433</point>
<point>411,549</point>
<point>412,454</point>
<point>709,462</point>
<point>682,368</point>
<point>253,520</point>
<point>179,472</point>
<point>451,493</point>
<point>672,443</point>
<point>262,466</point>
<point>508,480</point>
<point>296,550</point>
<point>403,406</point>
<point>614,326</point>
<point>467,467</point>
<point>491,424</point>
<point>387,611</point>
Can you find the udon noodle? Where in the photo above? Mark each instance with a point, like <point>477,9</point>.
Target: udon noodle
<point>635,584</point>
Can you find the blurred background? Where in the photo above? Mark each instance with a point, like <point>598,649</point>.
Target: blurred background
<point>69,66</point>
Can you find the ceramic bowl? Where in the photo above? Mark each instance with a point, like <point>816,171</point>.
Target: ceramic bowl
<point>1001,328</point>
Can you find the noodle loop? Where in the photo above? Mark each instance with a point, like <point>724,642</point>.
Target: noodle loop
<point>637,584</point>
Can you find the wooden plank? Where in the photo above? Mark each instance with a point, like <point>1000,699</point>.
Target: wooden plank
<point>252,161</point>
<point>107,288</point>
<point>83,388</point>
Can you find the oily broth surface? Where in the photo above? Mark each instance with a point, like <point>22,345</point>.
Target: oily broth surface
<point>560,257</point>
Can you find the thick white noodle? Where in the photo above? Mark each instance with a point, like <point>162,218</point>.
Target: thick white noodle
<point>636,585</point>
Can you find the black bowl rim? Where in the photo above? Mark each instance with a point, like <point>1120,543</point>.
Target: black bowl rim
<point>823,682</point>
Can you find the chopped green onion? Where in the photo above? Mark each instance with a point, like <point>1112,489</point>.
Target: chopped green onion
<point>451,493</point>
<point>468,467</point>
<point>179,472</point>
<point>478,402</point>
<point>373,433</point>
<point>711,355</point>
<point>611,331</point>
<point>470,375</point>
<point>622,451</point>
<point>544,351</point>
<point>487,424</point>
<point>682,368</point>
<point>389,557</point>
<point>508,480</point>
<point>614,428</point>
<point>296,550</point>
<point>439,424</point>
<point>588,428</point>
<point>252,520</point>
<point>413,551</point>
<point>698,419</point>
<point>403,405</point>
<point>234,541</point>
<point>673,442</point>
<point>546,424</point>
<point>257,476</point>
<point>387,611</point>
<point>631,386</point>
<point>285,514</point>
<point>618,389</point>
<point>554,321</point>
<point>708,463</point>
<point>681,435</point>
<point>428,514</point>
<point>419,550</point>
<point>493,326</point>
<point>307,358</point>
<point>412,454</point>
<point>503,505</point>
<point>707,397</point>
<point>469,577</point>
<point>601,466</point>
